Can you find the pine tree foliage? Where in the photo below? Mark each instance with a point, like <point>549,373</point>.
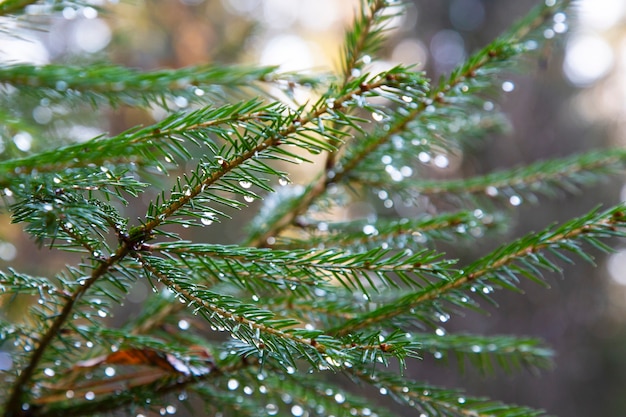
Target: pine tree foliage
<point>307,307</point>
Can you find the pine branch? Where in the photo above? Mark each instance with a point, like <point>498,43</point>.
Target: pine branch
<point>116,85</point>
<point>438,402</point>
<point>9,7</point>
<point>508,353</point>
<point>366,35</point>
<point>310,268</point>
<point>450,93</point>
<point>524,257</point>
<point>360,234</point>
<point>543,177</point>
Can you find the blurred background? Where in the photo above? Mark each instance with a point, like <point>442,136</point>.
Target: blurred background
<point>567,99</point>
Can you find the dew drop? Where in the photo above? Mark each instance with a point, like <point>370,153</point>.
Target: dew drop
<point>377,117</point>
<point>461,400</point>
<point>233,384</point>
<point>508,86</point>
<point>90,396</point>
<point>370,230</point>
<point>170,409</point>
<point>272,409</point>
<point>47,207</point>
<point>444,318</point>
<point>340,398</point>
<point>48,372</point>
<point>183,324</point>
<point>248,198</point>
<point>441,161</point>
<point>438,355</point>
<point>491,191</point>
<point>423,157</point>
<point>383,391</point>
<point>476,349</point>
<point>515,200</point>
<point>440,331</point>
<point>283,181</point>
<point>207,219</point>
<point>245,184</point>
<point>69,394</point>
<point>109,371</point>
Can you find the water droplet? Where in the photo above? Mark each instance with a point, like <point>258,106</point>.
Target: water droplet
<point>491,191</point>
<point>48,372</point>
<point>438,355</point>
<point>407,99</point>
<point>423,157</point>
<point>508,86</point>
<point>245,184</point>
<point>102,313</point>
<point>340,398</point>
<point>370,230</point>
<point>440,331</point>
<point>291,370</point>
<point>90,396</point>
<point>47,207</point>
<point>183,324</point>
<point>377,117</point>
<point>283,181</point>
<point>248,198</point>
<point>272,409</point>
<point>109,371</point>
<point>170,409</point>
<point>198,92</point>
<point>386,159</point>
<point>476,349</point>
<point>69,394</point>
<point>441,161</point>
<point>383,391</point>
<point>233,384</point>
<point>461,400</point>
<point>444,317</point>
<point>366,59</point>
<point>181,102</point>
<point>515,200</point>
<point>208,218</point>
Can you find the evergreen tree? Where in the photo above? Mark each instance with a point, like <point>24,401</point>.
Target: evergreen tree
<point>307,310</point>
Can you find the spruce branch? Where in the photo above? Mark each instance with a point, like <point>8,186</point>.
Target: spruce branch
<point>482,352</point>
<point>13,405</point>
<point>10,7</point>
<point>439,402</point>
<point>419,103</point>
<point>525,257</point>
<point>116,85</point>
<point>543,177</point>
<point>394,233</point>
<point>311,268</point>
